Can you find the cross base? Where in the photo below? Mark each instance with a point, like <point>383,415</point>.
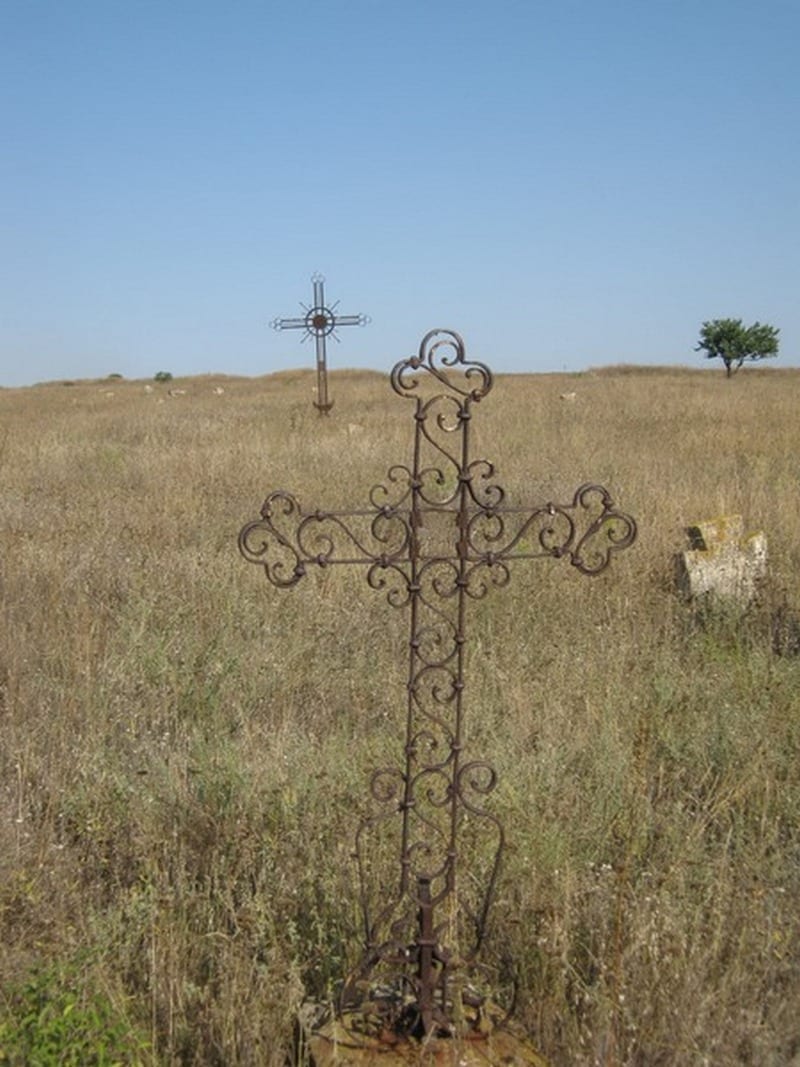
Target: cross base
<point>418,990</point>
<point>343,1042</point>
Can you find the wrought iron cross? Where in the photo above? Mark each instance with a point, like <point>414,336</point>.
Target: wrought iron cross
<point>437,534</point>
<point>320,322</point>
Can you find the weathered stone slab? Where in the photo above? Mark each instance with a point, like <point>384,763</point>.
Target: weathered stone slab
<point>333,1044</point>
<point>722,561</point>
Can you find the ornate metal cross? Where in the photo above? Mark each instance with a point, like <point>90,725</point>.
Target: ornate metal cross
<point>437,534</point>
<point>320,322</point>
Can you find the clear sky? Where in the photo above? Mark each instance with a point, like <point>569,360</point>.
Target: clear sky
<point>568,183</point>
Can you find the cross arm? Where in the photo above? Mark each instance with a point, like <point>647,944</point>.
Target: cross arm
<point>285,541</point>
<point>352,320</point>
<point>289,324</point>
<point>587,531</point>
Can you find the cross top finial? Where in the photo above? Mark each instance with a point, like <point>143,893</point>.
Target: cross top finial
<point>442,354</point>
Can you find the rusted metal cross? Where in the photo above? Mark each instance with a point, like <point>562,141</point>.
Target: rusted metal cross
<point>436,535</point>
<point>320,322</point>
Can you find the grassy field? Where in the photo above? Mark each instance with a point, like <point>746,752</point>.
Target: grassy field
<point>185,750</point>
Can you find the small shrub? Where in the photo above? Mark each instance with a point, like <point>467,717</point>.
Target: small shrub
<point>48,1019</point>
<point>162,376</point>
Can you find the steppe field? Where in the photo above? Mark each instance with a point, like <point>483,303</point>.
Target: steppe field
<point>185,750</point>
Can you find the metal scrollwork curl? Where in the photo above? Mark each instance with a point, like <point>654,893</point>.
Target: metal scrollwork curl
<point>440,352</point>
<point>321,535</point>
<point>611,531</point>
<point>485,493</point>
<point>393,580</point>
<point>434,643</point>
<point>261,542</point>
<point>478,778</point>
<point>391,532</point>
<point>484,576</point>
<point>434,785</point>
<point>446,413</point>
<point>400,480</point>
<point>433,689</point>
<point>441,576</point>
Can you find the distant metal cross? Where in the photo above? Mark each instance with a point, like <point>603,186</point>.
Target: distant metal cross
<point>320,322</point>
<point>436,535</point>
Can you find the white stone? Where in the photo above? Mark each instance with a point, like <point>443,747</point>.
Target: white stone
<point>722,562</point>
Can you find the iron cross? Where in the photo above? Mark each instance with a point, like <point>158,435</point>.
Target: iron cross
<point>436,535</point>
<point>320,322</point>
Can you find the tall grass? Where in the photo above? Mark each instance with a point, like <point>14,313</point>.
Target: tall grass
<point>185,750</point>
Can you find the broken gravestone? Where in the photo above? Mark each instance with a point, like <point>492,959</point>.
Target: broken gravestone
<point>722,562</point>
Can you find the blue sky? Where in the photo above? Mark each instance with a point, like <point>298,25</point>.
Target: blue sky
<point>568,184</point>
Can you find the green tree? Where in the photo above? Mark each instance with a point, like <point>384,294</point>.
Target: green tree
<point>734,342</point>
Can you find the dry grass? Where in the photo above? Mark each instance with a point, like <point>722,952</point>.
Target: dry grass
<point>184,750</point>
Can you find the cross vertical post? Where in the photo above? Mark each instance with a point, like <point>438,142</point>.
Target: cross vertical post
<point>437,535</point>
<point>320,322</point>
